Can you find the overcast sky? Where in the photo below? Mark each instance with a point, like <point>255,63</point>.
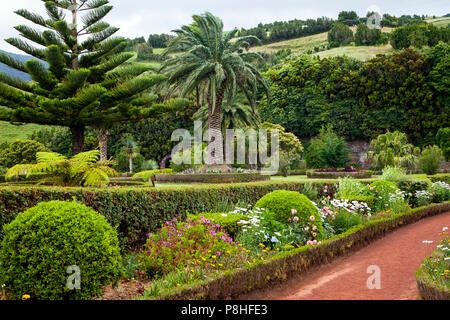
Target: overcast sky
<point>141,17</point>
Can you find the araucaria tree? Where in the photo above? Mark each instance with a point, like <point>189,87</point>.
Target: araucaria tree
<point>213,64</point>
<point>79,76</point>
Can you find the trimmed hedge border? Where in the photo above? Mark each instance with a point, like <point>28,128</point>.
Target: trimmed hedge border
<point>234,283</point>
<point>335,175</point>
<point>137,211</point>
<point>427,289</point>
<point>211,178</point>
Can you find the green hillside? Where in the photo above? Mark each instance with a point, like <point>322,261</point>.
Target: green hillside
<point>302,45</point>
<point>9,132</point>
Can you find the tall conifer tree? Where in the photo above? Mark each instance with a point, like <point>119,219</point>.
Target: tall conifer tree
<point>79,76</point>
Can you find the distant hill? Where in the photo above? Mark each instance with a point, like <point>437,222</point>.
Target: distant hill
<point>13,72</point>
<point>447,15</point>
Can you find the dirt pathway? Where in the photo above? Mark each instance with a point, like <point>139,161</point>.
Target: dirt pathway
<point>398,255</point>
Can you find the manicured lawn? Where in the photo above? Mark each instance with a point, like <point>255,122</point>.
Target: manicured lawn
<point>9,132</point>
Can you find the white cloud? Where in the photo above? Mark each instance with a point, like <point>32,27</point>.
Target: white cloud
<point>142,17</point>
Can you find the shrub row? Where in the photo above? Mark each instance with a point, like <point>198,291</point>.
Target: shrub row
<point>336,175</point>
<point>238,282</point>
<point>137,211</point>
<point>429,288</point>
<point>211,178</point>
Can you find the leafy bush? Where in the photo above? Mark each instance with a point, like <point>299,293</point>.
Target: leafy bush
<point>42,242</point>
<point>281,203</point>
<point>386,196</point>
<point>369,200</point>
<point>349,187</point>
<point>340,35</point>
<point>194,243</point>
<point>20,152</point>
<point>422,198</point>
<point>328,150</point>
<point>345,220</point>
<point>310,191</point>
<point>390,149</point>
<point>443,138</point>
<point>393,174</point>
<point>440,192</point>
<point>228,221</point>
<point>431,160</point>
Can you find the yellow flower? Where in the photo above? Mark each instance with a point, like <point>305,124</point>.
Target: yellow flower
<point>213,265</point>
<point>220,265</point>
<point>213,257</point>
<point>203,259</point>
<point>261,245</point>
<point>178,285</point>
<point>26,297</point>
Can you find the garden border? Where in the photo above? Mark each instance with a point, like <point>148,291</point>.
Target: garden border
<point>335,175</point>
<point>211,177</point>
<point>427,289</point>
<point>238,282</point>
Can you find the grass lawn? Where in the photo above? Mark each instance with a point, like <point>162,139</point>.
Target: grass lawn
<point>362,53</point>
<point>439,22</point>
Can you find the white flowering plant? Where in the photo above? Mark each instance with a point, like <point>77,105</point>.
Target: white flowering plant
<point>423,198</point>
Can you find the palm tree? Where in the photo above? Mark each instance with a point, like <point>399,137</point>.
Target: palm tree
<point>236,114</point>
<point>215,65</point>
<point>82,169</point>
<point>391,149</point>
<point>131,151</point>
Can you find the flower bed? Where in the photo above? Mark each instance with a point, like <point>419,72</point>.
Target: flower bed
<point>265,273</point>
<point>338,174</point>
<point>211,178</point>
<point>433,276</point>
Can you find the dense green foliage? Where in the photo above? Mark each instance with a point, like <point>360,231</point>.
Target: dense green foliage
<point>404,91</point>
<point>281,203</point>
<point>340,35</point>
<point>82,169</point>
<point>418,35</point>
<point>431,160</point>
<point>391,149</point>
<point>20,152</point>
<point>443,139</point>
<point>43,242</point>
<point>366,36</point>
<point>327,150</point>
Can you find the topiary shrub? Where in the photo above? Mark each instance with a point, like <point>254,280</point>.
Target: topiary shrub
<point>41,244</point>
<point>281,202</point>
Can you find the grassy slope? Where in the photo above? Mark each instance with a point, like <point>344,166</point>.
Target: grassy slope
<point>303,44</point>
<point>439,22</point>
<point>9,132</point>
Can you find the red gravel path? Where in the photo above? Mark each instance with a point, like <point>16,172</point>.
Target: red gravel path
<point>398,255</point>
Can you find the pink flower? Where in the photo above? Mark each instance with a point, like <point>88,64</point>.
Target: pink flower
<point>309,242</point>
<point>314,228</point>
<point>306,228</point>
<point>293,211</point>
<point>328,197</point>
<point>295,219</point>
<point>324,202</point>
<point>314,235</point>
<point>312,218</point>
<point>314,242</point>
<point>319,243</point>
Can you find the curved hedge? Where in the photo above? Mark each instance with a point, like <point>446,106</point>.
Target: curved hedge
<point>335,175</point>
<point>211,178</point>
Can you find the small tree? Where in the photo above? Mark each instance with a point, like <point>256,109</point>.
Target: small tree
<point>431,160</point>
<point>340,35</point>
<point>391,149</point>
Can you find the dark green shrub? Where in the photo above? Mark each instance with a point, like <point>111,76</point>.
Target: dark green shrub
<point>281,202</point>
<point>384,186</point>
<point>410,186</point>
<point>20,152</point>
<point>345,220</point>
<point>228,221</point>
<point>42,242</point>
<point>439,192</point>
<point>431,160</point>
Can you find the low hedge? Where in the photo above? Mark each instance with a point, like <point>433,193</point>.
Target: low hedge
<point>138,211</point>
<point>429,288</point>
<point>211,178</point>
<point>444,177</point>
<point>265,274</point>
<point>335,175</point>
<point>370,200</point>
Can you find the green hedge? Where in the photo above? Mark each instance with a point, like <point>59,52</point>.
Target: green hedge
<point>370,200</point>
<point>335,175</point>
<point>265,274</point>
<point>444,177</point>
<point>211,178</point>
<point>137,211</point>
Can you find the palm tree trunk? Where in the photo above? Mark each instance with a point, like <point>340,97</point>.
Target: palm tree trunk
<point>131,164</point>
<point>103,143</point>
<point>215,146</point>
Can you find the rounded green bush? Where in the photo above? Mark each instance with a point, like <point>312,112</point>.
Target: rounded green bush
<point>44,246</point>
<point>281,202</point>
<point>384,186</point>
